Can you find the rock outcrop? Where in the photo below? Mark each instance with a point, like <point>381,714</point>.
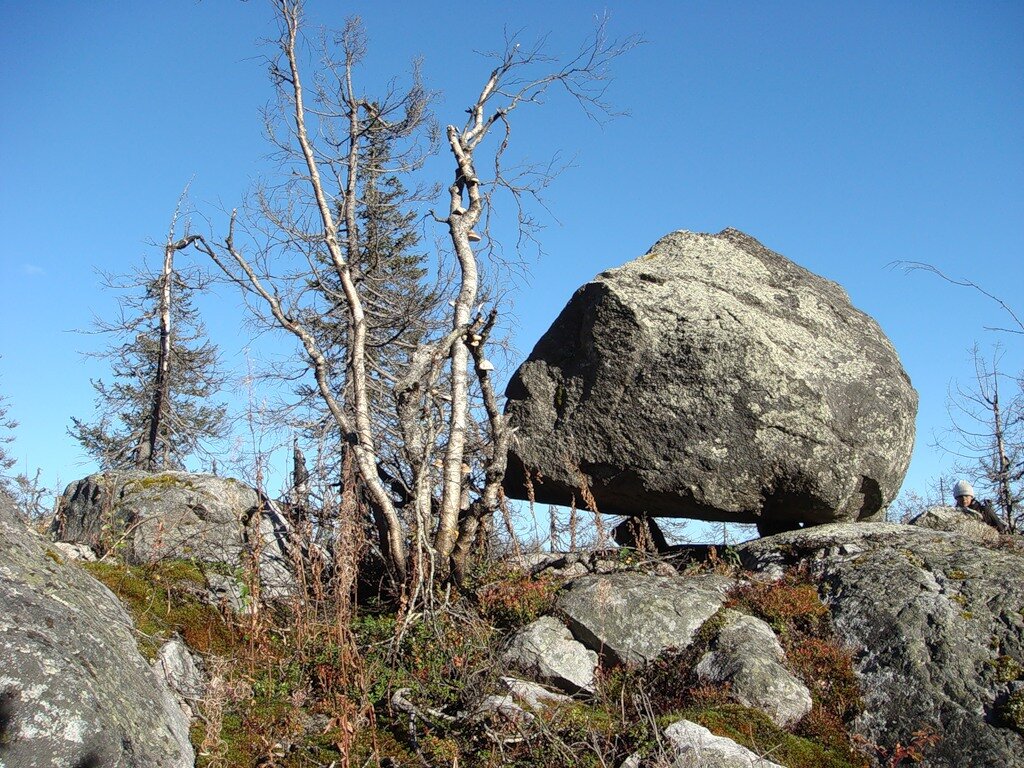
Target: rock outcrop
<point>954,520</point>
<point>939,622</point>
<point>148,516</point>
<point>74,690</point>
<point>713,379</point>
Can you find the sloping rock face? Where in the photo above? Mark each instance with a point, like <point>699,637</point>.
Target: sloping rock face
<point>939,619</point>
<point>149,516</point>
<point>713,379</point>
<point>632,618</point>
<point>74,690</point>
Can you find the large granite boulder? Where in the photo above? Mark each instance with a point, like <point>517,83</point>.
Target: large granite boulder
<point>148,516</point>
<point>74,690</point>
<point>938,619</point>
<point>717,380</point>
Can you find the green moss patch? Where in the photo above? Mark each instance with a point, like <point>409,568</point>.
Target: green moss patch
<point>162,599</point>
<point>755,731</point>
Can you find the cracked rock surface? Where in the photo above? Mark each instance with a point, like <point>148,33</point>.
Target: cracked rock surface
<point>747,655</point>
<point>937,619</point>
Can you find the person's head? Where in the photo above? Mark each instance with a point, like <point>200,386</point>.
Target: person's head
<point>963,492</point>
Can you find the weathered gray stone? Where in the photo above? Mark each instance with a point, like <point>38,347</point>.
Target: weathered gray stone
<point>503,709</point>
<point>74,690</point>
<point>746,654</point>
<point>176,665</point>
<point>632,618</point>
<point>935,615</point>
<point>713,379</point>
<point>690,745</point>
<point>149,516</point>
<point>956,521</point>
<point>547,651</point>
<point>229,592</point>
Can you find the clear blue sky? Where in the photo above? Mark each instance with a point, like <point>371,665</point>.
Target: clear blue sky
<point>843,135</point>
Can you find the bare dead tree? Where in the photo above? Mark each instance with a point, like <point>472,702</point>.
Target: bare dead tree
<point>510,86</point>
<point>454,463</point>
<point>987,436</point>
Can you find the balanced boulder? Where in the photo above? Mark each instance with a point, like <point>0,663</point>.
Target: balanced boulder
<point>713,379</point>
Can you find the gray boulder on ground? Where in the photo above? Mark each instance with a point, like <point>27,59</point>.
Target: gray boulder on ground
<point>74,690</point>
<point>937,618</point>
<point>713,379</point>
<point>746,654</point>
<point>148,516</point>
<point>547,651</point>
<point>632,618</point>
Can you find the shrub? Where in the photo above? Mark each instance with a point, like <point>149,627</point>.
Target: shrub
<point>517,599</point>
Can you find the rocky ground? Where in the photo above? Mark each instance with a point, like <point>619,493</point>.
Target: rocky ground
<point>839,645</point>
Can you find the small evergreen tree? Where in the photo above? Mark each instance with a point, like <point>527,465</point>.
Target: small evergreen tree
<point>155,413</point>
<point>400,307</point>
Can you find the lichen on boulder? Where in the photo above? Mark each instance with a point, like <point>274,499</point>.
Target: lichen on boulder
<point>146,517</point>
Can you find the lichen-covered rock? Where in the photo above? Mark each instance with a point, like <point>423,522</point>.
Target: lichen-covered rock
<point>956,521</point>
<point>713,379</point>
<point>747,655</point>
<point>938,620</point>
<point>149,516</point>
<point>74,690</point>
<point>546,650</point>
<point>632,618</point>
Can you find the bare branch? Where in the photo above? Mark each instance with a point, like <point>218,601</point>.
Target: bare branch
<point>913,266</point>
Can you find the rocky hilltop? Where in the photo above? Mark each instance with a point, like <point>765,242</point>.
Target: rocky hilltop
<point>838,645</point>
<point>711,378</point>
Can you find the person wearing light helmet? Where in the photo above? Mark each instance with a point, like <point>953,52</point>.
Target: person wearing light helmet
<point>963,492</point>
